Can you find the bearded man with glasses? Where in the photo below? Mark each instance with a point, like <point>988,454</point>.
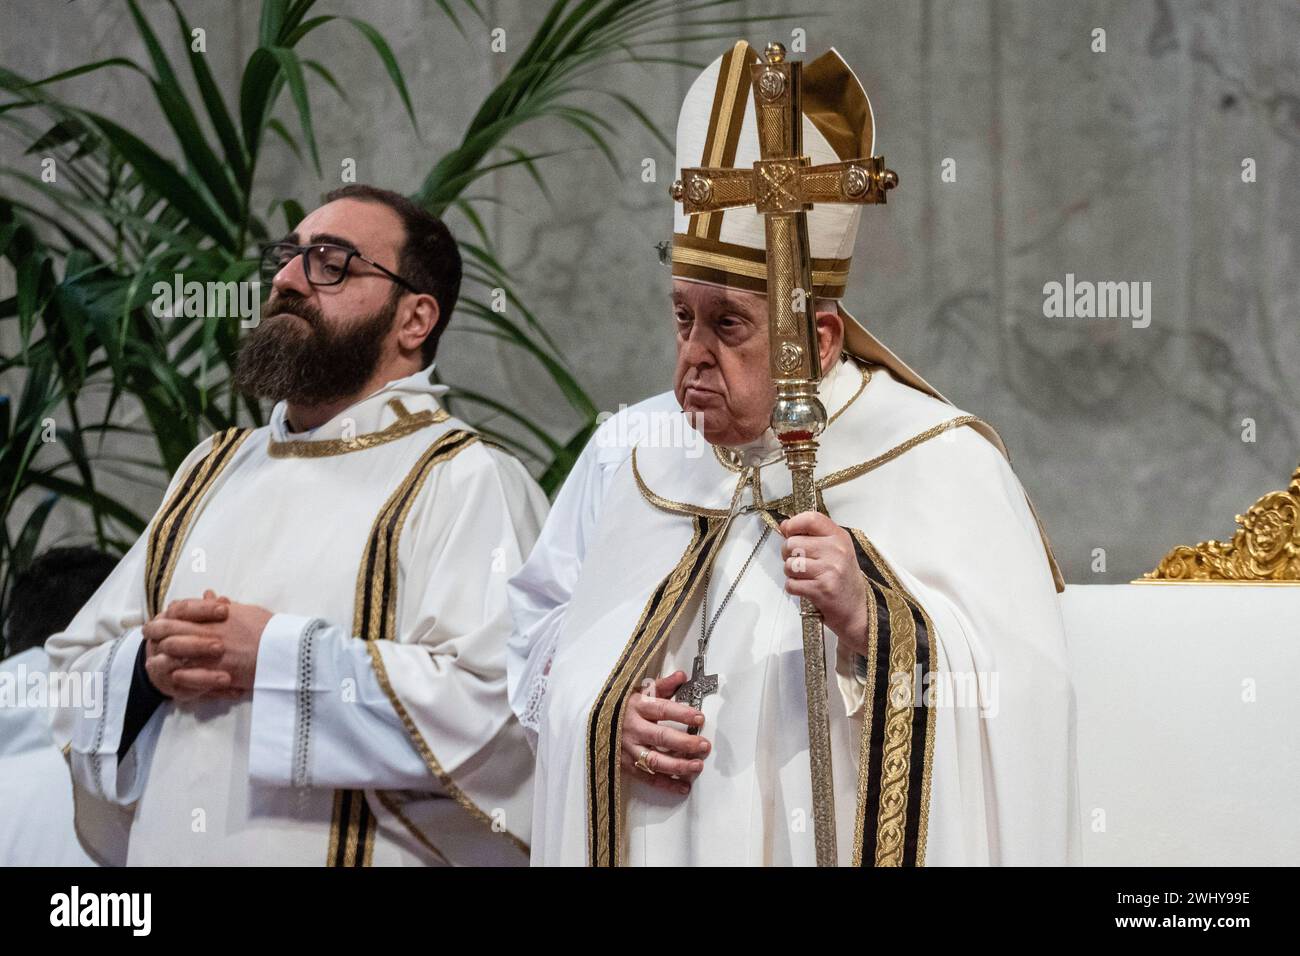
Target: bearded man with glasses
<point>303,655</point>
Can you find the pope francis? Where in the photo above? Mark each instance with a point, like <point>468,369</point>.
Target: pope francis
<point>657,659</point>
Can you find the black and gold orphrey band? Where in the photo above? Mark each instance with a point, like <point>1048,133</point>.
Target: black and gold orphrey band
<point>896,752</point>
<point>352,834</point>
<point>896,747</point>
<point>174,518</point>
<point>374,617</point>
<point>605,722</point>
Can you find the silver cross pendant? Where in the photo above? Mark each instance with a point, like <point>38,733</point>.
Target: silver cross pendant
<point>694,691</point>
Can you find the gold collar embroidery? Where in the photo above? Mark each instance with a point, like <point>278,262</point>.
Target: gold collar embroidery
<point>406,424</point>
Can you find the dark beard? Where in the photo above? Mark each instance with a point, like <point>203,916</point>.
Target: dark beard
<point>314,363</point>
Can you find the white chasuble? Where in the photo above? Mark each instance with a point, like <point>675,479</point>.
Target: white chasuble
<point>378,730</point>
<point>953,739</point>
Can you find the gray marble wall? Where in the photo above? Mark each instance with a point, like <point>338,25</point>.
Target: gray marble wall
<point>1113,166</point>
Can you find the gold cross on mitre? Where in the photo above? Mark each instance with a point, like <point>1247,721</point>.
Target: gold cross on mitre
<point>723,201</point>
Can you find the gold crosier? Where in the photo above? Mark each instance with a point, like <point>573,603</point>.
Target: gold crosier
<point>783,186</point>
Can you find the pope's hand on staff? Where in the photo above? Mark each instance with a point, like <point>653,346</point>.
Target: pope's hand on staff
<point>822,565</point>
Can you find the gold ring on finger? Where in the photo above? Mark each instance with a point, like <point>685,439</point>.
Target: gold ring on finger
<point>643,763</point>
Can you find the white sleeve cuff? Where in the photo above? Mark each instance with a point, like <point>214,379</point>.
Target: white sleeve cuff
<point>320,718</point>
<point>97,728</point>
<point>282,655</point>
<point>853,687</point>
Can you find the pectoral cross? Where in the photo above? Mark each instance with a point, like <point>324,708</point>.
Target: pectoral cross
<point>783,186</point>
<point>700,686</point>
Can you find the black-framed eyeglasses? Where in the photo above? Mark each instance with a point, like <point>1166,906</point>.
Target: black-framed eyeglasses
<point>324,263</point>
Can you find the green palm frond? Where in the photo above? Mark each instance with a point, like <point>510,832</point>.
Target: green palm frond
<point>123,214</point>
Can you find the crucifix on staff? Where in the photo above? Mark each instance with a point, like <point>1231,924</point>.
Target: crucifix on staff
<point>783,185</point>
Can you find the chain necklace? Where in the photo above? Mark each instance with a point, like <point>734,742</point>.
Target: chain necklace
<point>707,632</point>
<point>702,685</point>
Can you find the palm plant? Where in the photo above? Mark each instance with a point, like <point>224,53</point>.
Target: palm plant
<point>87,248</point>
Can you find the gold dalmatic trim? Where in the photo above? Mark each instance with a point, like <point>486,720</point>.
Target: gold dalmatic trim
<point>392,806</point>
<point>1264,549</point>
<point>170,528</point>
<point>352,833</point>
<point>406,424</point>
<point>375,612</point>
<point>605,721</point>
<point>896,749</point>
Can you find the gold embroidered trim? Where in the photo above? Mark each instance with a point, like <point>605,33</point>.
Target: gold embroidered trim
<point>336,829</point>
<point>168,536</point>
<point>854,471</point>
<point>356,807</point>
<point>829,481</point>
<point>454,791</point>
<point>896,761</point>
<point>674,507</point>
<point>392,807</point>
<point>381,582</point>
<point>864,741</point>
<point>857,471</point>
<point>380,623</point>
<point>356,848</point>
<point>172,511</point>
<point>405,425</point>
<point>732,264</point>
<point>729,88</point>
<point>377,582</point>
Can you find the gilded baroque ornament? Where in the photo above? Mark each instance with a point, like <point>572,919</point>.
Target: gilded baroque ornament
<point>1265,547</point>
